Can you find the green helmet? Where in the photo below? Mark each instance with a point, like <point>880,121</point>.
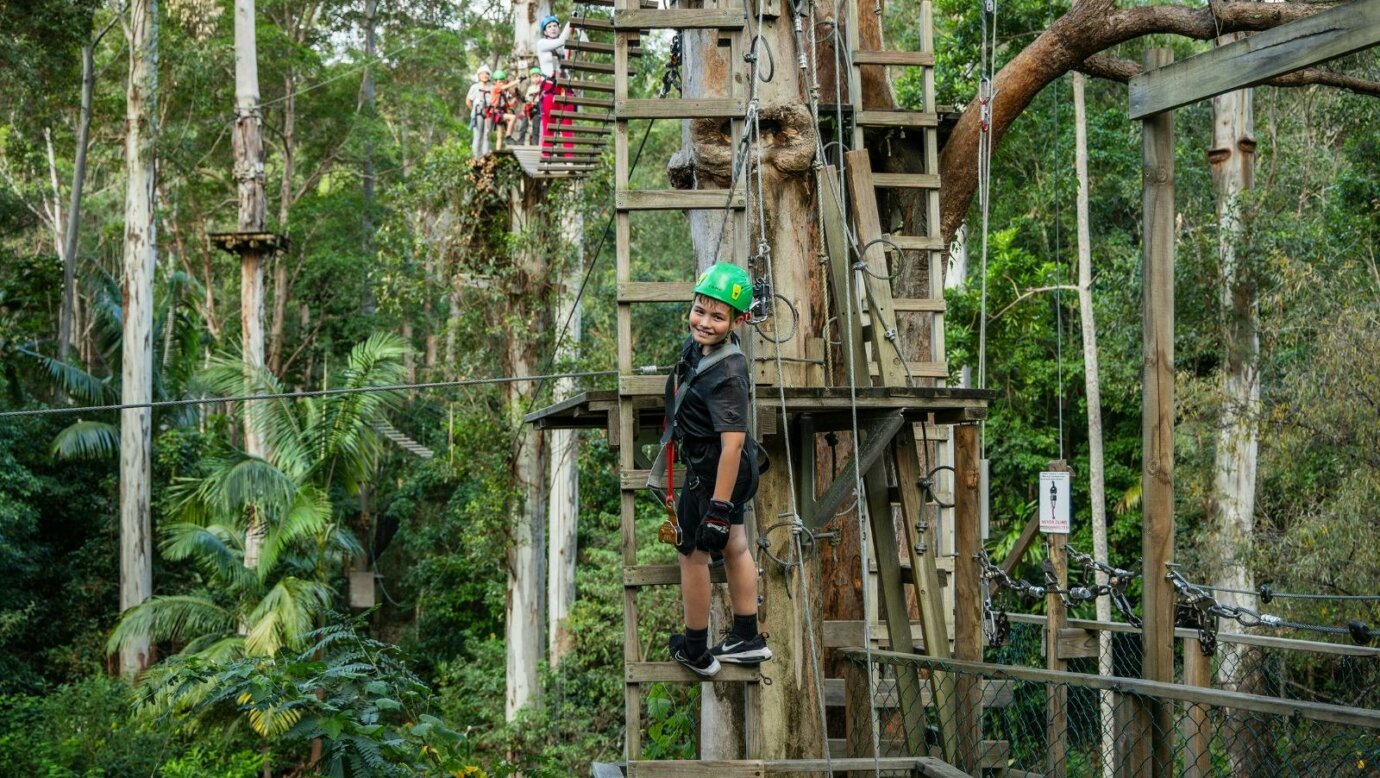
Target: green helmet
<point>534,71</point>
<point>500,74</point>
<point>726,283</point>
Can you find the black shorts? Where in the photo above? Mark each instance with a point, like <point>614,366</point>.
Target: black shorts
<point>691,507</point>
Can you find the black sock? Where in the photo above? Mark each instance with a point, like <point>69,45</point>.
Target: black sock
<point>696,641</point>
<point>745,627</point>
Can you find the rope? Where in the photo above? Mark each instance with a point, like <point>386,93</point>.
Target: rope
<point>299,395</point>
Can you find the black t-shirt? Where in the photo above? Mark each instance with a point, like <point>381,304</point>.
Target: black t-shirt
<point>715,402</point>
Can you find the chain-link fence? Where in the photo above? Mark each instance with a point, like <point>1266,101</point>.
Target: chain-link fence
<point>1304,670</point>
<point>1024,721</point>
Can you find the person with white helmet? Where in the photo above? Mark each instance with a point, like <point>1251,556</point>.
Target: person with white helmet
<point>476,100</point>
<point>550,48</point>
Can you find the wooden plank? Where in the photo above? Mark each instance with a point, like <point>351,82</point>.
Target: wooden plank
<point>664,575</point>
<point>920,59</point>
<point>919,304</point>
<point>678,199</point>
<point>1157,418</point>
<point>634,385</point>
<point>906,180</point>
<point>923,369</point>
<point>994,693</point>
<point>841,275</point>
<point>967,586</point>
<point>1023,542</point>
<point>918,242</point>
<point>993,754</point>
<point>848,633</point>
<point>867,224</point>
<point>613,3</point>
<point>1075,643</point>
<point>900,119</point>
<point>599,48</point>
<point>916,765</point>
<point>1336,32</point>
<point>680,768</point>
<point>607,770</point>
<point>679,19</point>
<point>637,479</point>
<point>597,102</point>
<point>1195,728</point>
<point>673,672</point>
<point>589,116</point>
<point>879,435</point>
<point>593,86</point>
<point>680,109</point>
<point>655,291</point>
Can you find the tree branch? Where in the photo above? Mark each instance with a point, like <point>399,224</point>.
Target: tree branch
<point>1123,70</point>
<point>1091,27</point>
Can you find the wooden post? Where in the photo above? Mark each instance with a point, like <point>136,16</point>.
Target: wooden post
<point>1195,729</point>
<point>1157,424</point>
<point>967,593</point>
<point>1056,696</point>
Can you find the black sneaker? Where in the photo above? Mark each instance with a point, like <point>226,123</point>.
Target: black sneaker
<point>736,650</point>
<point>704,665</point>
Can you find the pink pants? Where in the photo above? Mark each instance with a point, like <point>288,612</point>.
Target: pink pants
<point>548,104</point>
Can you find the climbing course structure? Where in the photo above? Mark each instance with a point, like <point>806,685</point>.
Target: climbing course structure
<point>845,344</point>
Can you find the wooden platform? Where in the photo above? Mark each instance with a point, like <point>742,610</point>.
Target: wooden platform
<point>530,158</point>
<point>593,409</point>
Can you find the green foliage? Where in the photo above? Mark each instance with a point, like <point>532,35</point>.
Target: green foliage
<point>351,693</point>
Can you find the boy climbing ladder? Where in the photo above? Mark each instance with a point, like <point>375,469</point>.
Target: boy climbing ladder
<point>707,409</point>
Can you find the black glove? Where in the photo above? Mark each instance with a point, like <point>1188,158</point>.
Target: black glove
<point>712,534</point>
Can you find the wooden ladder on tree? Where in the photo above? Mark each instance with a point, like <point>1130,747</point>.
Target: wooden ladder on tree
<point>640,394</point>
<point>578,130</point>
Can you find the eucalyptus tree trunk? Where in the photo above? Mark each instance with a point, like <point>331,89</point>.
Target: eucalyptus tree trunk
<point>527,520</point>
<point>563,504</point>
<point>136,388</point>
<point>247,144</point>
<point>1097,471</point>
<point>1232,158</point>
<point>69,242</point>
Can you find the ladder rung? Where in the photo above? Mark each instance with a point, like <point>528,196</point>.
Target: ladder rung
<point>593,86</point>
<point>906,180</point>
<point>554,130</point>
<point>918,304</point>
<point>679,109</point>
<point>590,115</point>
<point>678,18</point>
<point>600,48</point>
<point>641,385</point>
<point>636,480</point>
<point>597,102</point>
<point>609,3</point>
<point>655,292</point>
<point>923,59</point>
<point>663,575</point>
<point>563,161</point>
<point>918,242</point>
<point>585,66</point>
<point>677,199</point>
<point>895,119</point>
<point>663,672</point>
<point>594,143</point>
<point>672,768</point>
<point>591,23</point>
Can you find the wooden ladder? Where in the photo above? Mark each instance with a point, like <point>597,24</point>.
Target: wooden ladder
<point>640,393</point>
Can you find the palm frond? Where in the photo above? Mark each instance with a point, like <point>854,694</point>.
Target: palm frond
<point>75,381</point>
<point>171,617</point>
<point>219,548</point>
<point>87,439</point>
<point>245,481</point>
<point>285,616</point>
<point>306,518</point>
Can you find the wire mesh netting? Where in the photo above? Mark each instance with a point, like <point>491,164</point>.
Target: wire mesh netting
<point>1021,721</point>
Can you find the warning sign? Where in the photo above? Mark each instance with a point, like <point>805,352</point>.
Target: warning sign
<point>1054,502</point>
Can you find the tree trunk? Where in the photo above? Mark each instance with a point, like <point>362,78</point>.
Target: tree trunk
<point>564,500</point>
<point>1232,158</point>
<point>281,290</point>
<point>1097,472</point>
<point>69,245</point>
<point>366,93</point>
<point>140,256</point>
<point>247,144</point>
<point>527,523</point>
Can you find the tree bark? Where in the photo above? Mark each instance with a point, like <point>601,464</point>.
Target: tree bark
<point>1092,384</point>
<point>247,144</point>
<point>140,257</point>
<point>1232,159</point>
<point>564,499</point>
<point>527,525</point>
<point>281,285</point>
<point>69,244</point>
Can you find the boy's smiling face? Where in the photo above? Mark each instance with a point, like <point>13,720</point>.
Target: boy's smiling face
<point>711,320</point>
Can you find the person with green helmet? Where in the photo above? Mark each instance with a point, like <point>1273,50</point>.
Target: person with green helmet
<point>707,409</point>
<point>502,108</point>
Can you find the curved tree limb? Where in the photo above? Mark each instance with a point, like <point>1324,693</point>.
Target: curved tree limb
<point>1123,70</point>
<point>1091,27</point>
